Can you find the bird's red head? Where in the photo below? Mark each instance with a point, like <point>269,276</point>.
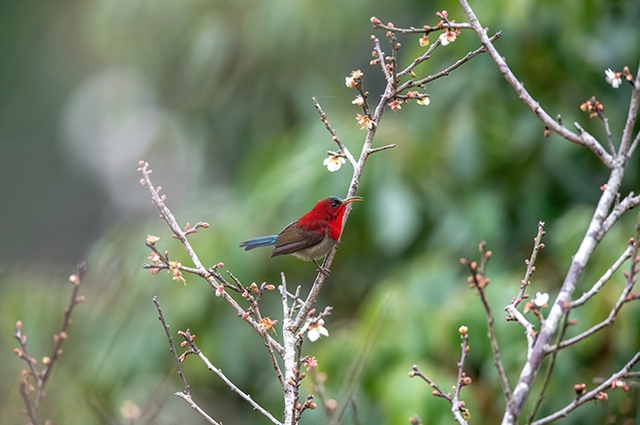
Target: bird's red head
<point>327,213</point>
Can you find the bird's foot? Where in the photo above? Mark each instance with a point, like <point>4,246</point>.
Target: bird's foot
<point>323,270</point>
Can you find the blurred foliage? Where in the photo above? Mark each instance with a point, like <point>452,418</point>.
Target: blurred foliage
<point>216,96</point>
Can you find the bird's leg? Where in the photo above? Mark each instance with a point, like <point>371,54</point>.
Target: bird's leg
<point>321,269</point>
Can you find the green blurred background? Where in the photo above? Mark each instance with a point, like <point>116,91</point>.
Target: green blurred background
<point>216,95</point>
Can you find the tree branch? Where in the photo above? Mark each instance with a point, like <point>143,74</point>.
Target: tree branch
<point>211,276</point>
<point>584,139</point>
<point>41,378</point>
<point>195,350</point>
<point>172,347</point>
<point>591,395</point>
<point>626,146</point>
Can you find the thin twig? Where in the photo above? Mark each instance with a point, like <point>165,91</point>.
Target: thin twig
<point>606,277</point>
<point>607,131</point>
<point>211,276</point>
<point>625,297</point>
<point>381,56</point>
<point>634,145</point>
<point>393,59</point>
<point>529,329</point>
<point>41,378</point>
<point>547,375</point>
<point>457,407</point>
<point>525,282</point>
<point>382,148</point>
<point>627,132</point>
<point>323,117</point>
<point>583,139</point>
<point>172,347</point>
<point>194,406</point>
<point>591,395</point>
<point>629,202</point>
<point>415,371</point>
<point>445,72</point>
<point>424,57</point>
<point>195,350</point>
<point>480,282</point>
<point>423,30</point>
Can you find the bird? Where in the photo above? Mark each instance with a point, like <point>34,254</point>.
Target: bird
<point>311,236</point>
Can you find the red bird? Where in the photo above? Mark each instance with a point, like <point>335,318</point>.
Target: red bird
<point>311,236</point>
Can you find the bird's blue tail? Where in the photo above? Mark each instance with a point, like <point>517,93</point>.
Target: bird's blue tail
<point>258,242</point>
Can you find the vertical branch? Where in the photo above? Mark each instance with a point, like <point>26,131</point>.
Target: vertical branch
<point>41,378</point>
<point>593,235</point>
<point>526,281</point>
<point>458,408</point>
<point>550,366</point>
<point>479,281</point>
<point>172,347</point>
<point>289,360</point>
<point>626,146</point>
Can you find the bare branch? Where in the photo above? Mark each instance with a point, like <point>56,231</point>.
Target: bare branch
<point>625,297</point>
<point>381,56</point>
<point>41,378</point>
<point>525,282</point>
<point>211,276</point>
<point>592,236</point>
<point>172,347</point>
<point>550,365</point>
<point>187,397</point>
<point>626,146</point>
<point>425,56</point>
<point>479,281</point>
<point>424,30</point>
<point>445,72</point>
<point>629,202</point>
<point>591,395</point>
<point>607,131</point>
<point>382,148</point>
<point>195,350</point>
<point>415,371</point>
<point>606,277</point>
<point>457,406</point>
<point>634,145</point>
<point>584,139</point>
<point>334,135</point>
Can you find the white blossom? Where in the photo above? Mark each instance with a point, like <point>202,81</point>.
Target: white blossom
<point>541,299</point>
<point>447,37</point>
<point>612,78</point>
<point>333,163</point>
<point>316,330</point>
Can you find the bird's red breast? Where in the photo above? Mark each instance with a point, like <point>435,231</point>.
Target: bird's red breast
<point>326,217</point>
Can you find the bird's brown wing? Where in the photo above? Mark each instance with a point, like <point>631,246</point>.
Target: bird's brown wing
<point>293,239</point>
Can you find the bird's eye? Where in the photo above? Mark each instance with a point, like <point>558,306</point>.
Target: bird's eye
<point>335,203</point>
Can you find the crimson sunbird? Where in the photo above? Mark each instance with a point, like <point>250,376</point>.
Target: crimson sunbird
<point>311,236</point>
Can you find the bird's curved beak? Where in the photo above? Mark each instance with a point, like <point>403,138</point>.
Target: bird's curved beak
<point>352,199</point>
